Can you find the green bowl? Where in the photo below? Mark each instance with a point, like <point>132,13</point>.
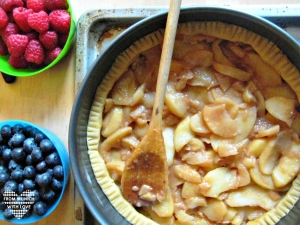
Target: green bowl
<point>6,68</point>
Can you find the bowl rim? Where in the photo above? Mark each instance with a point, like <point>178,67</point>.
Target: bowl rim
<point>82,171</point>
<point>6,68</point>
<point>63,153</point>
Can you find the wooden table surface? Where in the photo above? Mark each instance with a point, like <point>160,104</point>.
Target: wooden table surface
<point>47,99</point>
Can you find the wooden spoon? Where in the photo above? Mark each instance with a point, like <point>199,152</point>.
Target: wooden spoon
<point>145,177</point>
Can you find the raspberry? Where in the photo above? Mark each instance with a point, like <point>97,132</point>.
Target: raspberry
<point>36,5</point>
<point>49,39</point>
<point>39,21</point>
<point>16,44</point>
<point>60,21</point>
<point>18,62</point>
<point>51,55</point>
<point>9,5</point>
<point>3,47</point>
<point>3,18</point>
<point>32,35</point>
<point>11,28</point>
<point>56,4</point>
<point>20,16</point>
<point>34,52</point>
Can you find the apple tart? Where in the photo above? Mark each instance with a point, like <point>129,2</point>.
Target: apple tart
<point>230,126</point>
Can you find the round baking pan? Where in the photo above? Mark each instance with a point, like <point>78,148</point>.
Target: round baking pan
<point>91,192</point>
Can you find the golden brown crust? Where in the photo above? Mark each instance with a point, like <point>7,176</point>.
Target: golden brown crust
<point>266,49</point>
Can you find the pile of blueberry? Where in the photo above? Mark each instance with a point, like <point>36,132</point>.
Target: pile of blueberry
<point>29,161</point>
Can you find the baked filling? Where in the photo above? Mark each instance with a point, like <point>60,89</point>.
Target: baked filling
<point>230,126</point>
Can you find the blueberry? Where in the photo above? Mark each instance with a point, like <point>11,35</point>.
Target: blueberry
<point>4,177</point>
<point>39,136</point>
<point>27,129</point>
<point>1,191</point>
<point>41,167</point>
<point>20,188</point>
<point>12,165</point>
<point>44,180</point>
<point>8,214</point>
<point>53,159</point>
<point>47,195</point>
<point>47,146</point>
<point>17,128</point>
<point>6,132</point>
<point>17,175</point>
<point>18,154</point>
<point>2,147</point>
<point>6,154</point>
<point>56,185</point>
<point>11,185</point>
<point>28,184</point>
<point>2,162</point>
<point>37,178</point>
<point>28,160</point>
<point>17,139</point>
<point>3,169</point>
<point>33,131</point>
<point>9,143</point>
<point>2,206</point>
<point>1,139</point>
<point>37,155</point>
<point>29,144</point>
<point>29,172</point>
<point>58,172</point>
<point>40,208</point>
<point>36,195</point>
<point>50,171</point>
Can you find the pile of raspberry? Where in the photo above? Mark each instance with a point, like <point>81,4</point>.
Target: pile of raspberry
<point>33,32</point>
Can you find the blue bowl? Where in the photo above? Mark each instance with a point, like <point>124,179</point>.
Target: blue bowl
<point>63,153</point>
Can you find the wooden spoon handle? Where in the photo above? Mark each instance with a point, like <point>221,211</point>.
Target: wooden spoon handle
<point>165,60</point>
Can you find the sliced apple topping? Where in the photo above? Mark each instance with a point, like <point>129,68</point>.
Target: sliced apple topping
<point>192,195</point>
<point>203,77</point>
<point>187,173</point>
<point>176,102</point>
<point>281,108</point>
<point>168,134</point>
<point>215,210</point>
<point>256,147</point>
<point>288,166</point>
<point>219,121</point>
<point>232,71</point>
<point>253,196</point>
<point>113,140</point>
<point>264,181</point>
<point>201,158</point>
<point>218,181</point>
<point>271,154</point>
<point>124,89</point>
<point>166,207</point>
<point>201,57</point>
<point>265,75</point>
<point>183,134</point>
<point>112,121</point>
<point>218,54</point>
<point>198,124</point>
<point>243,175</point>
